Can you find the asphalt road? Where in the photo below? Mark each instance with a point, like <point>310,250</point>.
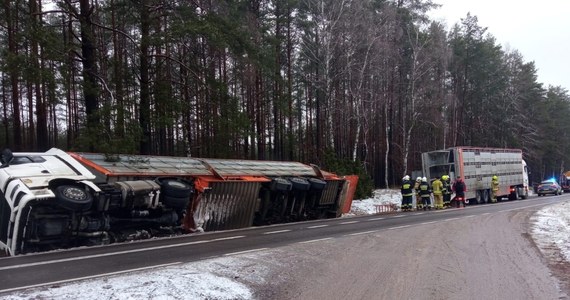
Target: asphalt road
<point>64,266</point>
<point>481,253</point>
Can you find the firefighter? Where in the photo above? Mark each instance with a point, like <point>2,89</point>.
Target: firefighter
<point>446,191</point>
<point>494,188</point>
<point>425,194</point>
<point>459,189</point>
<point>407,193</point>
<point>419,204</point>
<point>437,188</point>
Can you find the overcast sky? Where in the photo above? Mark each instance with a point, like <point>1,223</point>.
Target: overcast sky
<point>539,30</point>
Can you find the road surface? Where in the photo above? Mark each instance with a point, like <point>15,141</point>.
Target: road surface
<point>484,256</point>
<point>481,252</point>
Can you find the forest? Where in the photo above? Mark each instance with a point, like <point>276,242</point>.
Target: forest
<point>353,86</point>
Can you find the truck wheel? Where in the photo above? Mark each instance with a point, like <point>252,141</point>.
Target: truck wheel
<point>514,195</point>
<point>300,184</point>
<point>73,197</point>
<point>175,188</point>
<point>486,197</point>
<point>280,185</point>
<point>317,184</point>
<point>478,197</point>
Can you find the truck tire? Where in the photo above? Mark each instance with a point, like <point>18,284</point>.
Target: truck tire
<point>525,195</point>
<point>175,188</point>
<point>478,197</point>
<point>175,202</point>
<point>73,197</point>
<point>300,184</point>
<point>279,184</point>
<point>486,196</point>
<point>317,184</point>
<point>514,195</point>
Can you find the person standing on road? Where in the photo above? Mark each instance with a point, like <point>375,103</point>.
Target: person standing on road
<point>446,191</point>
<point>494,188</point>
<point>419,204</point>
<point>425,193</point>
<point>437,188</point>
<point>407,193</point>
<point>459,189</point>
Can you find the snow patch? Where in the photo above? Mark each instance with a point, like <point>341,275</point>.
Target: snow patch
<point>368,206</point>
<point>551,229</point>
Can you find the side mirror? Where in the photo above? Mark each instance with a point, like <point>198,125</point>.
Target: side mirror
<point>6,157</point>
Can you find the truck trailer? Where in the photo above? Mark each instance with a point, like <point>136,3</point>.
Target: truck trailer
<point>477,166</point>
<point>57,200</point>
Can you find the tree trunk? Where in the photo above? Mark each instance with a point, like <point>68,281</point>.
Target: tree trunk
<point>42,119</point>
<point>13,73</point>
<point>90,86</point>
<point>144,114</point>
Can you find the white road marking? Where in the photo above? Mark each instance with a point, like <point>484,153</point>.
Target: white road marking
<point>417,214</point>
<point>399,227</point>
<point>349,222</point>
<point>229,238</point>
<point>399,216</point>
<point>114,253</point>
<point>430,222</point>
<point>374,219</point>
<point>278,231</point>
<point>87,277</point>
<point>245,251</point>
<point>317,226</point>
<point>451,219</point>
<point>363,232</point>
<point>313,241</point>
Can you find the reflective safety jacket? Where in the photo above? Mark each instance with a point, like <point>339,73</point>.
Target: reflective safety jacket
<point>437,187</point>
<point>425,190</point>
<point>407,188</point>
<point>446,187</point>
<point>495,184</point>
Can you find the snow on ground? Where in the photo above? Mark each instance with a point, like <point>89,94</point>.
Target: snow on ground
<point>368,206</point>
<point>220,278</point>
<point>235,277</point>
<point>551,230</point>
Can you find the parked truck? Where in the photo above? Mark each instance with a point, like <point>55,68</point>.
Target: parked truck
<point>477,166</point>
<point>55,199</point>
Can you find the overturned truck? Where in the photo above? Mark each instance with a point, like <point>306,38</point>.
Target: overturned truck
<point>57,200</point>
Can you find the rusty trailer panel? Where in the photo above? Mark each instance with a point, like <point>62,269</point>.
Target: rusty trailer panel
<point>331,192</point>
<point>349,193</point>
<point>342,198</point>
<point>228,205</point>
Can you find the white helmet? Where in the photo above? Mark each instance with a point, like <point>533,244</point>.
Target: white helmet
<point>419,179</point>
<point>406,177</point>
<point>424,179</point>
